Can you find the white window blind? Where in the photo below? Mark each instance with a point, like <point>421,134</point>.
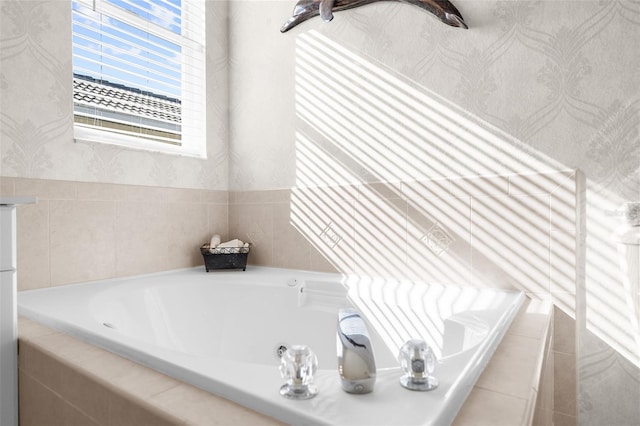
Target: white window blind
<point>139,73</point>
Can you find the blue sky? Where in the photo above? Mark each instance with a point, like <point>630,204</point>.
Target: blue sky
<point>107,48</point>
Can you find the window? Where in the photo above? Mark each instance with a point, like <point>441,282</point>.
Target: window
<point>139,74</point>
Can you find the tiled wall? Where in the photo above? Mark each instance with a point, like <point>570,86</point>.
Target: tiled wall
<point>545,403</point>
<point>513,231</point>
<point>564,369</point>
<point>81,231</point>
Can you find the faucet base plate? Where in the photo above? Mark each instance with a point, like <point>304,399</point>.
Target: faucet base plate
<point>408,382</point>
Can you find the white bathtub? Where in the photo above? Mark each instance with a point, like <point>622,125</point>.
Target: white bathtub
<point>220,331</point>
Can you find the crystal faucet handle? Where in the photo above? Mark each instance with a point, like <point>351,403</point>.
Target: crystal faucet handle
<point>417,362</point>
<point>298,365</point>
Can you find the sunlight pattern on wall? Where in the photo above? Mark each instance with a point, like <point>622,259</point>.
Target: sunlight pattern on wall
<point>509,212</point>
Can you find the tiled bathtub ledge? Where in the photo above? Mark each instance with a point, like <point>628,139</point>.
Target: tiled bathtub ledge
<point>63,380</point>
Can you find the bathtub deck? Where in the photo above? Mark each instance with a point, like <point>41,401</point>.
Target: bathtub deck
<point>66,381</point>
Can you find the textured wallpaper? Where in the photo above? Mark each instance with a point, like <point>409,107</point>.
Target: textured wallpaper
<point>558,76</point>
<point>36,107</point>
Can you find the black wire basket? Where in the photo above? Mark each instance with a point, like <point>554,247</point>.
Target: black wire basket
<point>225,257</point>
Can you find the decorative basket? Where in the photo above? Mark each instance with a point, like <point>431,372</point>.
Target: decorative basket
<point>225,257</point>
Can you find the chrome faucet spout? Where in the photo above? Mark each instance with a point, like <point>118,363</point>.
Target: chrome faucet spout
<point>356,363</point>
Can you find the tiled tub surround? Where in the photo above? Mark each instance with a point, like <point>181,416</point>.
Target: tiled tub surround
<point>514,231</point>
<point>82,231</point>
<point>66,381</point>
<point>501,231</point>
<point>201,328</point>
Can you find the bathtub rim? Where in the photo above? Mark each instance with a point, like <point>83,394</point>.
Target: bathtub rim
<point>162,395</point>
<point>259,403</point>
